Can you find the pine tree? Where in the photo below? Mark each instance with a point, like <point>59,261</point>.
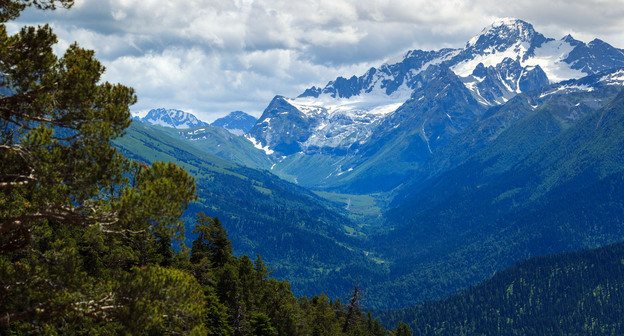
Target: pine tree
<point>78,221</point>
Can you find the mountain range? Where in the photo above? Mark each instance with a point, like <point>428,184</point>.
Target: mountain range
<point>425,175</point>
<point>237,122</point>
<point>403,111</point>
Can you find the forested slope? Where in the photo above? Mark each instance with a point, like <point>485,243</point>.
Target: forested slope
<point>574,293</point>
<point>303,236</point>
<point>559,194</point>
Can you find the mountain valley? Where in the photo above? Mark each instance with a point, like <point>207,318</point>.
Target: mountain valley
<point>424,176</point>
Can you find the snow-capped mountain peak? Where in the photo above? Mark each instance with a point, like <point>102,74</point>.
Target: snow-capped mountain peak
<point>506,58</point>
<point>172,118</point>
<point>503,33</point>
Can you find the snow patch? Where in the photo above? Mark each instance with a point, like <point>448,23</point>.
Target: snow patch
<point>341,122</point>
<point>550,57</point>
<point>489,58</point>
<point>258,145</point>
<point>197,131</point>
<point>616,78</point>
<point>568,88</point>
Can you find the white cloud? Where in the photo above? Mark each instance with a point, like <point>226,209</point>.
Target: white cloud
<point>214,56</point>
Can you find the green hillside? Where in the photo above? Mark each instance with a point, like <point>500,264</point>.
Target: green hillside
<point>222,143</point>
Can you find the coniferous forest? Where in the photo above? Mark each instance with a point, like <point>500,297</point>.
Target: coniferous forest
<point>574,293</point>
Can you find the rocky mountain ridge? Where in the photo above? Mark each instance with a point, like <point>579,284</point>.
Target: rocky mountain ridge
<point>399,113</point>
<point>172,118</point>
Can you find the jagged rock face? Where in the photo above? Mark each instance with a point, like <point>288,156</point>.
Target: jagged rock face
<point>438,109</point>
<point>386,79</point>
<point>282,128</point>
<point>503,35</point>
<point>344,114</point>
<point>172,118</point>
<point>532,79</point>
<point>237,122</point>
<point>595,57</point>
<point>495,85</point>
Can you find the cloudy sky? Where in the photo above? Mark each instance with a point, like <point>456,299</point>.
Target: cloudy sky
<point>210,57</point>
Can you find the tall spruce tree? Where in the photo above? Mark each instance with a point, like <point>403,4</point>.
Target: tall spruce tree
<point>212,242</point>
